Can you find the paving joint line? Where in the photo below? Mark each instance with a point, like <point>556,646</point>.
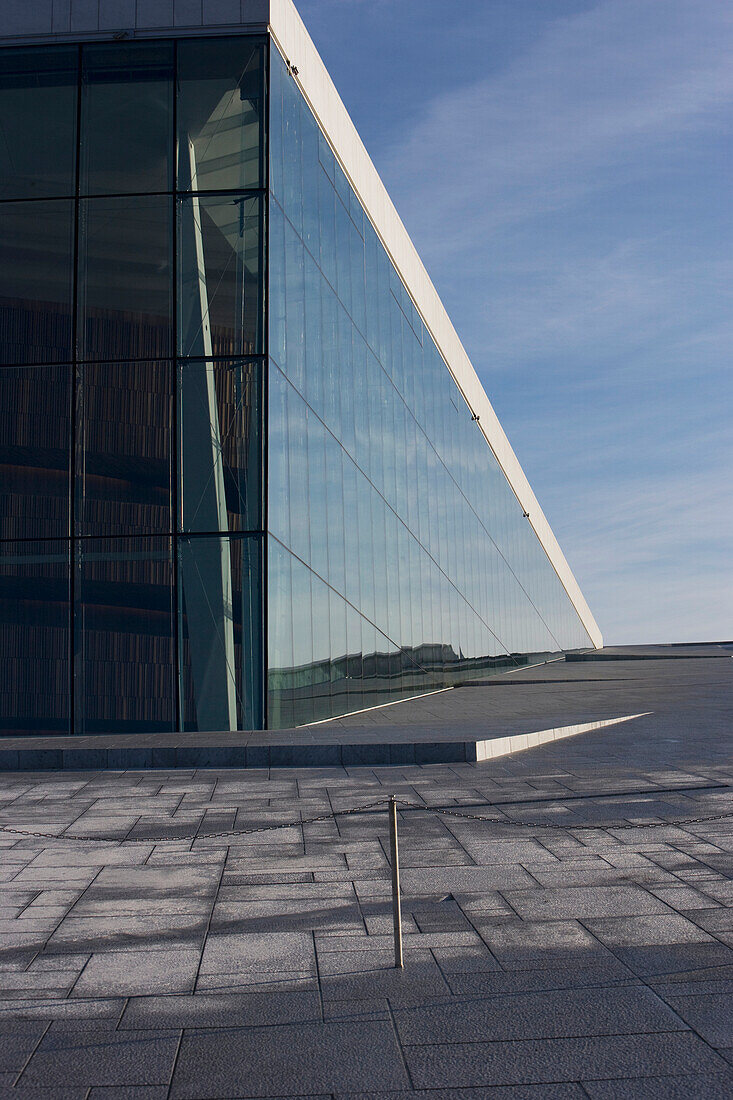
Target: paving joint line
<point>369,808</point>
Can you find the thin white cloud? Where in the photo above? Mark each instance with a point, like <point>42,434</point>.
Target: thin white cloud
<point>654,554</point>
<point>619,297</point>
<point>602,92</point>
<point>600,325</point>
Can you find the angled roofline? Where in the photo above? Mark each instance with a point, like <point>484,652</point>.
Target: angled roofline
<point>81,20</point>
<point>310,73</point>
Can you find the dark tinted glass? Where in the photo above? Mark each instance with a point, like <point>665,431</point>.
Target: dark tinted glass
<point>219,418</point>
<point>126,119</point>
<point>123,475</point>
<point>125,278</point>
<point>34,637</point>
<point>36,281</point>
<point>220,608</point>
<point>220,100</point>
<point>220,303</point>
<point>38,132</point>
<point>124,628</point>
<point>35,433</point>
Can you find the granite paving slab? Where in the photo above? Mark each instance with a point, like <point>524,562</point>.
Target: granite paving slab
<point>343,1056</point>
<point>545,960</point>
<point>444,1064</point>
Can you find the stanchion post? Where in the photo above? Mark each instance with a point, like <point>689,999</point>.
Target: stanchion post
<point>396,905</point>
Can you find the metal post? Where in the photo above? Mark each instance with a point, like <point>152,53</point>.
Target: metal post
<point>396,907</point>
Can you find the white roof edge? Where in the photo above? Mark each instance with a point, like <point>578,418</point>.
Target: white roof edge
<point>293,40</point>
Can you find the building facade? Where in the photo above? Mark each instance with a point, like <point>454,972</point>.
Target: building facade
<point>248,477</point>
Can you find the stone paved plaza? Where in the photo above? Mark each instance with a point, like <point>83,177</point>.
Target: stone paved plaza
<point>563,962</point>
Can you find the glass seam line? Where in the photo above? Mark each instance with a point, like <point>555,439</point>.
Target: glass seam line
<point>423,431</point>
<point>417,540</point>
<point>264,450</point>
<point>171,533</point>
<point>253,191</point>
<point>435,342</point>
<point>348,603</point>
<point>72,557</point>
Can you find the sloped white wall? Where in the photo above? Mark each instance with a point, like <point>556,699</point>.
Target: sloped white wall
<point>297,47</point>
<point>56,20</point>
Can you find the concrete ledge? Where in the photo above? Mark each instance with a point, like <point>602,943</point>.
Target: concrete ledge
<point>505,746</point>
<point>298,753</point>
<point>682,655</point>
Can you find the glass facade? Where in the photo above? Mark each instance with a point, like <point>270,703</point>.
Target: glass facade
<point>239,486</point>
<point>399,558</point>
<point>131,386</point>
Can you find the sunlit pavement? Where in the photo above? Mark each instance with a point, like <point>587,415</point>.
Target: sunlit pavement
<point>539,962</point>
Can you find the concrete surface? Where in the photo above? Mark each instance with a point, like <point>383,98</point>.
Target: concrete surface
<point>456,725</point>
<point>541,963</point>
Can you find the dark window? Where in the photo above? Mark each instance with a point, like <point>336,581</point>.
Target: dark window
<point>220,301</point>
<point>34,637</point>
<point>219,418</point>
<point>125,280</point>
<point>220,607</point>
<point>36,281</point>
<point>35,433</point>
<point>126,119</point>
<point>123,475</point>
<point>220,101</point>
<point>124,629</point>
<point>38,123</point>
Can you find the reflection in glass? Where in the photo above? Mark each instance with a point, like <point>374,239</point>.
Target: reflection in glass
<point>38,91</point>
<point>307,631</point>
<point>125,282</point>
<point>123,448</point>
<point>220,303</point>
<point>124,627</point>
<point>35,433</point>
<point>34,637</point>
<point>220,619</point>
<point>220,99</point>
<point>417,568</point>
<point>280,665</point>
<point>126,118</point>
<point>220,419</point>
<point>36,281</point>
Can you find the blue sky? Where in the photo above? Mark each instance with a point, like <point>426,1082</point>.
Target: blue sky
<point>564,169</point>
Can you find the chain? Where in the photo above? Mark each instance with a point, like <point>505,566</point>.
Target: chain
<point>197,836</point>
<point>365,809</point>
<point>556,825</point>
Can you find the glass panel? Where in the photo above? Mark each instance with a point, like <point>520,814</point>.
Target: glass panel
<point>124,630</point>
<point>38,90</point>
<point>126,118</point>
<point>34,637</point>
<point>279,637</point>
<point>278,487</point>
<point>354,668</point>
<point>125,278</point>
<point>220,99</point>
<point>219,295</point>
<point>339,654</point>
<point>35,432</point>
<point>307,624</point>
<point>298,445</point>
<point>36,281</point>
<point>220,611</point>
<point>320,667</point>
<point>292,140</point>
<point>404,530</point>
<point>123,463</point>
<point>220,425</point>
